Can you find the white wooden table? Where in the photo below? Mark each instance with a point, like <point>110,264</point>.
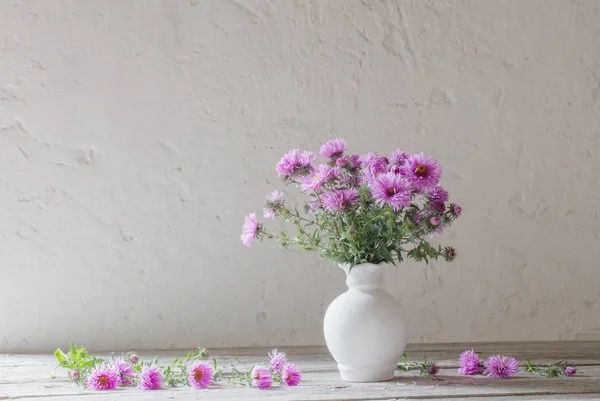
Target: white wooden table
<point>28,377</point>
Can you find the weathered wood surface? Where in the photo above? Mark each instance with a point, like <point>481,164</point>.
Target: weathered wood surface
<point>28,377</point>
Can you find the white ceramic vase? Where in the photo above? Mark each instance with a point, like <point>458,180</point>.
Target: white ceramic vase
<point>365,327</point>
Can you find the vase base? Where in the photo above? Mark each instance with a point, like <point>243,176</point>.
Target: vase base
<point>367,374</point>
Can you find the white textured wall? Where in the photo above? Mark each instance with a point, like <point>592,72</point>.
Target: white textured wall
<point>135,135</point>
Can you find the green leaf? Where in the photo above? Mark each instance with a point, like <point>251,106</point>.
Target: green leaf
<point>60,356</point>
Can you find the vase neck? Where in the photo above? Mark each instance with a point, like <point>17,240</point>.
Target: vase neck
<point>364,277</point>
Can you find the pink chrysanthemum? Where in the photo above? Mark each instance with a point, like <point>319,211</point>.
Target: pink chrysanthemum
<point>340,200</point>
<point>398,157</point>
<point>354,162</point>
<point>374,165</point>
<point>501,366</point>
<point>391,189</point>
<point>333,148</point>
<point>469,363</point>
<point>438,194</point>
<point>126,371</point>
<point>422,171</point>
<point>102,378</point>
<point>249,229</point>
<point>295,163</point>
<point>321,175</point>
<point>150,378</point>
<point>570,370</point>
<point>291,375</point>
<point>273,204</point>
<point>201,375</point>
<point>455,210</point>
<point>277,360</point>
<point>261,377</point>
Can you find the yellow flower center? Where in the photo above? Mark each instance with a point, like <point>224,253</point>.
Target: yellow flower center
<point>198,374</point>
<point>421,170</point>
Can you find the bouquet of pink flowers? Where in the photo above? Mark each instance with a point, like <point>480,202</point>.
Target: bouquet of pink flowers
<point>360,209</point>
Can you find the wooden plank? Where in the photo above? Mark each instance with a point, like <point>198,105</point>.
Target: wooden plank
<point>27,377</point>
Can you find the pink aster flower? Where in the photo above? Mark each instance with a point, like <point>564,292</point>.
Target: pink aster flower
<point>333,149</point>
<point>261,377</point>
<point>75,375</point>
<point>319,177</point>
<point>291,375</point>
<point>438,194</point>
<point>570,370</point>
<point>104,377</point>
<point>277,360</point>
<point>126,371</point>
<point>392,190</point>
<point>435,221</point>
<point>455,210</point>
<point>341,162</point>
<point>249,229</point>
<point>340,200</point>
<point>295,163</point>
<point>150,378</point>
<point>469,363</point>
<point>501,366</point>
<point>273,204</point>
<point>374,165</point>
<point>354,162</point>
<point>201,375</point>
<point>398,157</point>
<point>433,369</point>
<point>422,171</point>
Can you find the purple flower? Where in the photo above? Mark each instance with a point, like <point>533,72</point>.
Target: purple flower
<point>201,375</point>
<point>249,229</point>
<point>396,170</point>
<point>433,369</point>
<point>150,378</point>
<point>469,363</point>
<point>333,148</point>
<point>422,171</point>
<point>103,377</point>
<point>501,366</point>
<point>438,194</point>
<point>261,377</point>
<point>374,165</point>
<point>435,221</point>
<point>133,358</point>
<point>570,370</point>
<point>354,162</point>
<point>455,210</point>
<point>437,206</point>
<point>273,204</point>
<point>392,190</point>
<point>449,254</point>
<point>398,157</point>
<point>74,375</point>
<point>278,360</point>
<point>291,375</point>
<point>340,200</point>
<point>126,371</point>
<point>321,175</point>
<point>295,163</point>
<point>341,162</point>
